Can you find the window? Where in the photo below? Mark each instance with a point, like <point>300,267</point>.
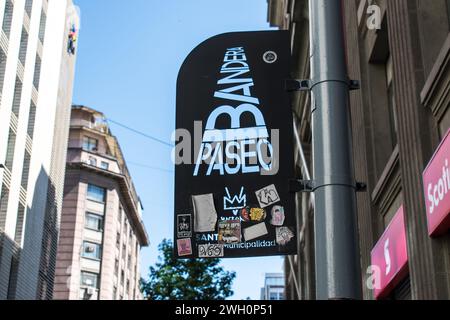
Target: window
<point>89,279</point>
<point>23,46</point>
<point>26,170</point>
<point>92,161</point>
<point>28,7</point>
<point>129,262</point>
<point>391,100</point>
<point>42,26</point>
<point>116,267</point>
<point>118,240</point>
<point>4,197</point>
<point>31,120</point>
<point>90,144</point>
<point>104,165</point>
<point>10,150</point>
<point>95,193</point>
<point>119,215</point>
<point>2,68</point>
<point>128,286</point>
<point>7,17</point>
<point>124,251</point>
<point>37,71</point>
<point>92,250</point>
<point>20,224</point>
<point>114,293</point>
<point>273,296</point>
<point>94,222</point>
<point>122,277</point>
<point>17,97</point>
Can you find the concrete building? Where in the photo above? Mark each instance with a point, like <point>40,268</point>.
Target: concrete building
<point>399,117</point>
<point>36,81</point>
<point>102,230</point>
<point>273,287</point>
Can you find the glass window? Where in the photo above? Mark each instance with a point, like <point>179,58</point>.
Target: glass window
<point>104,165</point>
<point>96,193</point>
<point>90,144</point>
<point>89,279</point>
<point>92,250</point>
<point>124,251</point>
<point>118,240</point>
<point>391,99</point>
<point>92,161</point>
<point>94,222</point>
<point>116,267</point>
<point>129,262</point>
<point>119,215</point>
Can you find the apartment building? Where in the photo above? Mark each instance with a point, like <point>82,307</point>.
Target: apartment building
<point>102,230</point>
<point>399,50</point>
<point>273,287</point>
<point>36,82</point>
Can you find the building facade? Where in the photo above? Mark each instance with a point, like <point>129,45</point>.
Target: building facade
<point>102,230</point>
<point>36,83</point>
<point>399,50</point>
<point>273,287</point>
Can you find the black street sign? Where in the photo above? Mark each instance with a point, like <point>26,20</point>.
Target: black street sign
<point>235,142</point>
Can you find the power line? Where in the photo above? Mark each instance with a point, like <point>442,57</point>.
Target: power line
<point>140,133</point>
<point>149,167</point>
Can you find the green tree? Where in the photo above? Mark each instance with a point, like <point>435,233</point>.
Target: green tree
<point>193,279</point>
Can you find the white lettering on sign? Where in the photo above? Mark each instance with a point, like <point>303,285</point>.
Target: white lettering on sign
<point>438,191</point>
<point>387,257</point>
<point>237,149</point>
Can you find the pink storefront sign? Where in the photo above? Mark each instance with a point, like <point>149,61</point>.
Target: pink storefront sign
<point>436,182</point>
<point>390,257</point>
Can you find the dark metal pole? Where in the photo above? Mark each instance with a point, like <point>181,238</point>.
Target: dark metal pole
<point>337,256</point>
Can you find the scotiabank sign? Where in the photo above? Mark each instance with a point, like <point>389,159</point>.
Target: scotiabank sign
<point>390,257</point>
<point>436,181</point>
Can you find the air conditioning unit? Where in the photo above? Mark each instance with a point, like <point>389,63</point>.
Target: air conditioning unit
<point>90,292</point>
<point>90,249</point>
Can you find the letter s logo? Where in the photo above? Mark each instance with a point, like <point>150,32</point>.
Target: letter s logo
<point>387,257</point>
<point>430,197</point>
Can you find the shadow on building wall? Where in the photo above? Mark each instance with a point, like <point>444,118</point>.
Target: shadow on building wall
<point>27,270</point>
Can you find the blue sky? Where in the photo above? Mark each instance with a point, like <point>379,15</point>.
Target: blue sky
<point>129,54</point>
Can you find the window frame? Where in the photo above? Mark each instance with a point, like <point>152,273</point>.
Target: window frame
<point>95,215</point>
<point>97,281</point>
<point>97,251</point>
<point>97,188</point>
<point>88,144</point>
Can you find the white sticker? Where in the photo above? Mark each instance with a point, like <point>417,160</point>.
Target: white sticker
<point>267,196</point>
<point>210,251</point>
<point>205,214</point>
<point>284,235</point>
<point>255,231</point>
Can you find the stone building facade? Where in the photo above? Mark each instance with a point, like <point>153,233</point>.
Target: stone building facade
<point>399,118</point>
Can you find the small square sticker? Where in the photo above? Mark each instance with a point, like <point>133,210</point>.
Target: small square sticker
<point>267,196</point>
<point>184,247</point>
<point>184,226</point>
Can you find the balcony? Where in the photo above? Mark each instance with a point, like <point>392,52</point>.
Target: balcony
<point>98,125</point>
<point>102,162</point>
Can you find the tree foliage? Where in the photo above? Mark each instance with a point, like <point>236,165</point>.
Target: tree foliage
<point>193,279</point>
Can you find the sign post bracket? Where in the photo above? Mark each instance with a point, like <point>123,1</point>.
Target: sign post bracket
<point>294,85</point>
